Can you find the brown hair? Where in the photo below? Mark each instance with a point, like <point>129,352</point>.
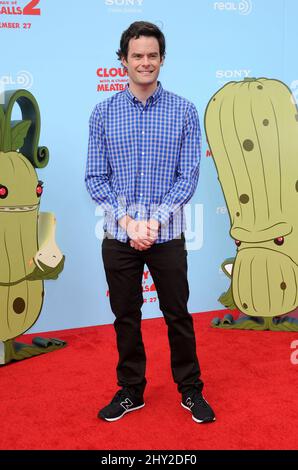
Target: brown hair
<point>137,29</point>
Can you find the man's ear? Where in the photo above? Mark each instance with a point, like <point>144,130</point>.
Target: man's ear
<point>124,62</point>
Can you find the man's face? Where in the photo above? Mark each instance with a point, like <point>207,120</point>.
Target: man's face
<point>143,60</point>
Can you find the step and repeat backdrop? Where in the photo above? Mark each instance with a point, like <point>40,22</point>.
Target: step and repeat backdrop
<point>64,52</point>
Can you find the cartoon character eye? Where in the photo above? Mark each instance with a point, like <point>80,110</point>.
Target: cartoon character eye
<point>279,241</point>
<point>3,191</point>
<point>39,188</point>
<point>238,242</point>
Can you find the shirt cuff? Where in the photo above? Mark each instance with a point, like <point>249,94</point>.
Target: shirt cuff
<point>162,214</point>
<point>119,212</point>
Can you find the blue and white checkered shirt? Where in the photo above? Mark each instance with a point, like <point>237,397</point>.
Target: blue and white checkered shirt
<point>143,161</point>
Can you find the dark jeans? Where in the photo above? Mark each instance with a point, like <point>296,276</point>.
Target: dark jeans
<point>167,263</point>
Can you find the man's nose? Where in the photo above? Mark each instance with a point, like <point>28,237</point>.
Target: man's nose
<point>146,61</point>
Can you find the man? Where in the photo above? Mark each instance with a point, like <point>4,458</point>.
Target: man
<point>143,167</point>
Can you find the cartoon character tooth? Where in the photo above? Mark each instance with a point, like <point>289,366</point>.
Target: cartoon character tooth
<point>252,131</point>
<point>28,250</point>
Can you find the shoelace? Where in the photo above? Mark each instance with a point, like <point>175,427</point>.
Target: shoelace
<point>120,395</point>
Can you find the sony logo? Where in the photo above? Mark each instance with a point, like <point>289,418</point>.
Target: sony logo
<point>232,73</point>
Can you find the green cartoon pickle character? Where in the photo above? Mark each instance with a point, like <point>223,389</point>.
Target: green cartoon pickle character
<point>252,131</point>
<point>28,251</point>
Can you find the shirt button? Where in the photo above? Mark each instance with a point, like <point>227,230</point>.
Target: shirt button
<point>141,194</point>
<point>143,132</point>
<point>142,174</point>
<point>143,153</point>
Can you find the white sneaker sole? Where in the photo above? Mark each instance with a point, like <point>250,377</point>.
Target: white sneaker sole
<point>198,420</point>
<point>124,413</point>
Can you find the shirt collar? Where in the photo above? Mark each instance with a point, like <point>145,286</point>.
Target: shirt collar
<point>152,99</point>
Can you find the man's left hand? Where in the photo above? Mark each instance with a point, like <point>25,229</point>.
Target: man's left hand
<point>152,231</point>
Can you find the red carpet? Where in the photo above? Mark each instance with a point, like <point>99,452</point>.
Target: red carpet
<point>51,401</point>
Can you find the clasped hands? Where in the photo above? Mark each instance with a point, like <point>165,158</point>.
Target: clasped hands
<point>142,233</point>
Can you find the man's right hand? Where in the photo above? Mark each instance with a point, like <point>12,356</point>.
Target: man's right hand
<point>140,235</point>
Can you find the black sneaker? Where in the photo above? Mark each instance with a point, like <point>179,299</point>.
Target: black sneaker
<point>123,402</point>
<point>198,406</point>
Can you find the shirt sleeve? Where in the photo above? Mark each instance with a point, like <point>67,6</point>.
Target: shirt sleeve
<point>98,171</point>
<point>187,169</point>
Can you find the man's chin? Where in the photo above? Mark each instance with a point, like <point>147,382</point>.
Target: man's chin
<point>149,80</point>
